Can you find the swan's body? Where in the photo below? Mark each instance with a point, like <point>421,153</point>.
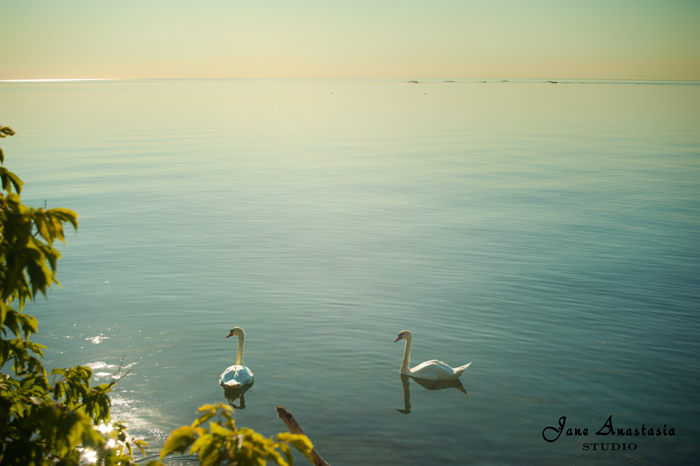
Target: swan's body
<point>235,377</point>
<point>429,370</point>
<point>238,375</point>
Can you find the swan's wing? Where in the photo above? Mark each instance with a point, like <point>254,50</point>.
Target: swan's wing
<point>433,370</point>
<point>228,376</point>
<point>460,369</point>
<point>433,363</point>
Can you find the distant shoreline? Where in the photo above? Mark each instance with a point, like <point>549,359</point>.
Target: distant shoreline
<point>678,82</point>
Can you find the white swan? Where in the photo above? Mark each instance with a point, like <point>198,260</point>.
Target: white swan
<point>238,375</point>
<point>429,370</point>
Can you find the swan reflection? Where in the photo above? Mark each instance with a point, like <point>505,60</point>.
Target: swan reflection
<point>233,394</point>
<point>428,385</point>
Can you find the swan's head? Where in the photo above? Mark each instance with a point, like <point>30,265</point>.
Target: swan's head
<point>236,331</point>
<point>404,335</point>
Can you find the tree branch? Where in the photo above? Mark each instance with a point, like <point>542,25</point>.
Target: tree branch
<point>295,428</point>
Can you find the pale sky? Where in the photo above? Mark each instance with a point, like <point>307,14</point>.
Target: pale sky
<point>576,39</point>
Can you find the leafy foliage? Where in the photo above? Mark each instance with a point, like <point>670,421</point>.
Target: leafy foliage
<point>223,443</point>
<point>43,422</point>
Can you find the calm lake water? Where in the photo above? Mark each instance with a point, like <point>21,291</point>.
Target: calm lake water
<point>550,233</point>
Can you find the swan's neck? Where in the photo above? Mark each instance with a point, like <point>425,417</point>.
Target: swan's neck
<point>406,356</point>
<point>239,351</point>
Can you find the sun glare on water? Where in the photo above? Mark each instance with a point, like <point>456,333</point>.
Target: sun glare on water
<point>49,80</point>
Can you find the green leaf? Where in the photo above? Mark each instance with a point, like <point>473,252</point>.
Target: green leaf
<point>300,442</point>
<point>4,309</point>
<point>284,448</point>
<point>216,429</point>
<point>16,182</point>
<point>178,441</point>
<point>29,324</point>
<point>42,226</point>
<point>64,215</point>
<point>206,407</point>
<point>9,179</point>
<point>11,320</point>
<point>141,445</point>
<point>204,418</point>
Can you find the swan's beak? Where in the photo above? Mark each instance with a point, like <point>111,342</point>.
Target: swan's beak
<point>229,335</point>
<point>397,338</point>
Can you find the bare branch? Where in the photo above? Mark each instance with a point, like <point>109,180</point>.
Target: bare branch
<point>295,428</point>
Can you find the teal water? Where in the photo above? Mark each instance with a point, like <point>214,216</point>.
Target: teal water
<point>548,233</point>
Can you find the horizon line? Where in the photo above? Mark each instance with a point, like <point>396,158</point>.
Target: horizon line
<point>501,79</point>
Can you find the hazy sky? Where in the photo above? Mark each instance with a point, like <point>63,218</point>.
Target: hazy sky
<point>634,39</point>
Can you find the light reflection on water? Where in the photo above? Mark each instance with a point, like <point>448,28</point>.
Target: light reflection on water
<point>549,234</point>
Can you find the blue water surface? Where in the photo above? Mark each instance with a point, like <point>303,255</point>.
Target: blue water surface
<point>547,232</point>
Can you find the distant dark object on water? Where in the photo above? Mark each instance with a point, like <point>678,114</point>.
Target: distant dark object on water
<point>553,82</point>
<point>414,82</point>
<point>449,81</point>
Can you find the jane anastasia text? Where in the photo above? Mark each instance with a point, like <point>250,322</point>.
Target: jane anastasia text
<point>551,433</point>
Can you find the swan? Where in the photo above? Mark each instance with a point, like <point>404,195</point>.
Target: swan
<point>237,375</point>
<point>429,370</point>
